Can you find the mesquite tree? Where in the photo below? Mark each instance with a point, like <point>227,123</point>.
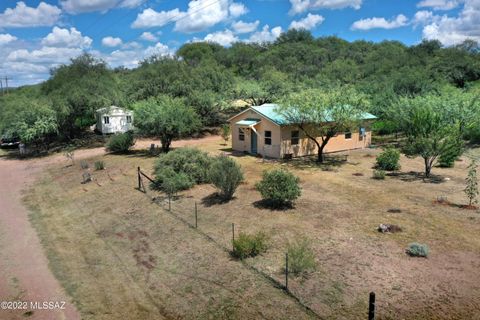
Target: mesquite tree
<point>321,115</point>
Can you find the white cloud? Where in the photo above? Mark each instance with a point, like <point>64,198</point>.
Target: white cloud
<point>82,6</point>
<point>245,27</point>
<point>299,6</point>
<point>237,9</point>
<point>148,36</point>
<point>6,38</point>
<point>200,15</point>
<point>66,38</point>
<point>23,16</point>
<point>266,35</point>
<point>150,18</point>
<point>224,38</point>
<point>158,49</point>
<point>439,4</point>
<point>423,17</point>
<point>380,23</point>
<point>111,42</point>
<point>308,23</point>
<point>454,30</point>
<point>44,55</point>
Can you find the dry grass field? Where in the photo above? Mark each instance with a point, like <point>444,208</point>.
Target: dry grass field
<point>120,254</point>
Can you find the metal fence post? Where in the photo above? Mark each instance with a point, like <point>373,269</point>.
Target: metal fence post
<point>139,179</point>
<point>286,271</point>
<point>233,236</point>
<point>371,306</point>
<point>169,202</point>
<point>196,219</point>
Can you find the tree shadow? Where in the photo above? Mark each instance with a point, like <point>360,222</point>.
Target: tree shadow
<point>266,204</point>
<point>412,176</point>
<point>214,199</point>
<point>330,162</point>
<point>445,202</point>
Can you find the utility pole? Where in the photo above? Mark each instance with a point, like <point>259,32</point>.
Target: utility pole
<point>1,86</point>
<point>6,84</point>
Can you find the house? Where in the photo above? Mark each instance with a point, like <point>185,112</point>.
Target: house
<point>262,130</point>
<point>113,120</point>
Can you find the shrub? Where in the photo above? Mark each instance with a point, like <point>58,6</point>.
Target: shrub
<point>121,142</point>
<point>388,159</point>
<point>279,187</point>
<point>301,257</point>
<point>249,245</point>
<point>448,157</point>
<point>225,132</point>
<point>172,181</point>
<point>84,164</point>
<point>193,163</point>
<point>378,174</point>
<point>99,165</point>
<point>417,250</point>
<point>226,175</point>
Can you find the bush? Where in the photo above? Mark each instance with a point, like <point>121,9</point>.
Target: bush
<point>193,166</point>
<point>249,245</point>
<point>378,174</point>
<point>301,257</point>
<point>448,157</point>
<point>121,142</point>
<point>417,250</point>
<point>388,159</point>
<point>172,181</point>
<point>84,164</point>
<point>99,165</point>
<point>279,187</point>
<point>226,175</point>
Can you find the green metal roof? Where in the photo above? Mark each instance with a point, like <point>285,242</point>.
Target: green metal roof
<point>247,122</point>
<point>269,110</point>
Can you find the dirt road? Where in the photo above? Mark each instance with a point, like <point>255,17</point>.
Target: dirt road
<point>24,272</point>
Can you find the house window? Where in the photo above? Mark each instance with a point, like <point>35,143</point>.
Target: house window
<point>106,120</point>
<point>295,137</point>
<point>129,119</point>
<point>362,133</point>
<point>241,134</point>
<point>348,135</point>
<point>268,137</point>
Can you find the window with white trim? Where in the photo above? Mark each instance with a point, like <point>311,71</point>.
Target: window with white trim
<point>106,120</point>
<point>129,119</point>
<point>295,138</point>
<point>348,135</point>
<point>241,134</point>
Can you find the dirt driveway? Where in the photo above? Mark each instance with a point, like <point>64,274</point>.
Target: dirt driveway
<point>24,272</point>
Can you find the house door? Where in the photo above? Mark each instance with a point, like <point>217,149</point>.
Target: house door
<point>253,142</point>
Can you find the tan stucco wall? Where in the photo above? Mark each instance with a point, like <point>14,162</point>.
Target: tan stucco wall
<point>338,143</point>
<point>281,139</point>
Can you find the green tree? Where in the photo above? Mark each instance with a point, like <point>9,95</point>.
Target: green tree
<point>430,133</point>
<point>225,132</point>
<point>167,118</point>
<point>321,115</point>
<point>471,190</point>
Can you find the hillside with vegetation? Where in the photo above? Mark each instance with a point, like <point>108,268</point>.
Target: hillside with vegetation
<point>205,78</point>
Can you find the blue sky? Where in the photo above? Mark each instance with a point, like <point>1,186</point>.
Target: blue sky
<point>38,35</point>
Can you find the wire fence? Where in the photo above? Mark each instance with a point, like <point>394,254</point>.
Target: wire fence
<point>188,214</point>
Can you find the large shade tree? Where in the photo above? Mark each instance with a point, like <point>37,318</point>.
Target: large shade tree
<point>167,118</point>
<point>321,115</point>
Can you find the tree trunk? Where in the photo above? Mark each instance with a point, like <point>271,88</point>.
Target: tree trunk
<point>320,158</point>
<point>428,167</point>
<point>166,144</point>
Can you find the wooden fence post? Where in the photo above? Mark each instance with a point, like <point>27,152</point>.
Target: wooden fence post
<point>371,306</point>
<point>286,271</point>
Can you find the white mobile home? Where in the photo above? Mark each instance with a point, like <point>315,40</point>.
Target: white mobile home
<point>114,120</point>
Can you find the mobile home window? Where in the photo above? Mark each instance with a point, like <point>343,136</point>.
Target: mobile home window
<point>295,137</point>
<point>106,120</point>
<point>129,119</point>
<point>268,137</point>
<point>348,135</point>
<point>241,134</point>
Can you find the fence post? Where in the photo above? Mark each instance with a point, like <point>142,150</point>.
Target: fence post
<point>286,271</point>
<point>169,202</point>
<point>139,179</point>
<point>196,219</point>
<point>233,236</point>
<point>371,306</point>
